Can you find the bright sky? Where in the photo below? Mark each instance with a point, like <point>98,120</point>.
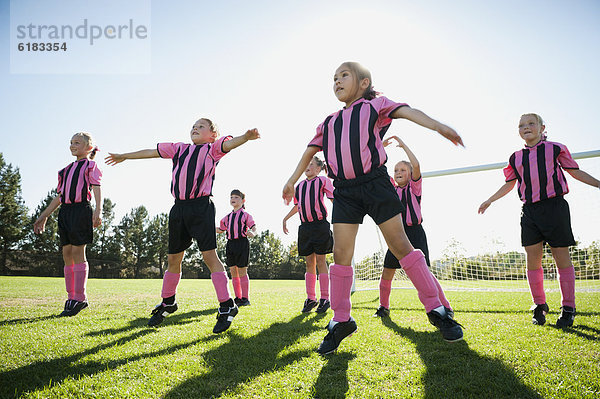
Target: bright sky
<point>474,65</point>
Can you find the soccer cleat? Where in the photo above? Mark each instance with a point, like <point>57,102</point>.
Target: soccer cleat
<point>539,314</point>
<point>225,316</point>
<point>337,331</point>
<point>309,304</point>
<point>76,307</point>
<point>382,312</point>
<point>324,304</point>
<point>450,329</point>
<point>237,301</point>
<point>567,316</point>
<point>243,302</point>
<point>69,303</point>
<point>449,312</point>
<point>160,312</point>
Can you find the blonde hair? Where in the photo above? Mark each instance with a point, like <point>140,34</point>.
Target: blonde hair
<point>410,167</point>
<point>360,73</point>
<point>211,125</point>
<point>320,163</point>
<point>90,141</point>
<point>540,121</point>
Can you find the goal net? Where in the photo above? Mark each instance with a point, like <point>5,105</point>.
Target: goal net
<point>469,251</point>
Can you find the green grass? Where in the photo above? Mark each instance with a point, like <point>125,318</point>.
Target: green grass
<point>107,351</point>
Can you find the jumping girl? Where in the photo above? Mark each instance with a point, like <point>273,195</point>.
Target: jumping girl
<point>538,169</point>
<point>76,220</point>
<point>315,239</point>
<point>239,225</point>
<point>408,184</point>
<point>351,140</point>
<point>193,214</point>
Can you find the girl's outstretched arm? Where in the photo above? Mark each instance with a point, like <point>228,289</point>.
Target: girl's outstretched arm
<point>584,177</point>
<point>505,189</point>
<point>291,213</point>
<point>97,217</point>
<point>40,224</point>
<point>288,189</point>
<point>235,142</point>
<point>113,159</point>
<point>416,173</point>
<point>420,118</point>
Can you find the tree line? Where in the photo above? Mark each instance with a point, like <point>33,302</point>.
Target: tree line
<point>134,247</point>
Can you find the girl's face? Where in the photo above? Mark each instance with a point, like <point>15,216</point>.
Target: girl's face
<point>79,147</point>
<point>347,87</point>
<point>530,130</point>
<point>236,201</point>
<point>401,174</point>
<point>201,133</point>
<point>312,169</point>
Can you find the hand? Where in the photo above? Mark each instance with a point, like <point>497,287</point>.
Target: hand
<point>97,219</point>
<point>285,229</point>
<point>113,159</point>
<point>450,134</point>
<point>250,234</point>
<point>288,193</point>
<point>40,225</point>
<point>485,205</point>
<point>252,134</point>
<point>388,141</point>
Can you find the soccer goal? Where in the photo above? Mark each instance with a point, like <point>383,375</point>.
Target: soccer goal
<point>469,251</point>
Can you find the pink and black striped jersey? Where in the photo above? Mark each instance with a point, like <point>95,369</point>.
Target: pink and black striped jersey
<point>538,170</point>
<point>309,198</point>
<point>410,197</point>
<point>351,139</point>
<point>237,224</point>
<point>75,181</point>
<point>193,167</point>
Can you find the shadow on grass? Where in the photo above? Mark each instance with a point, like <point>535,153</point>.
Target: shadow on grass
<point>28,320</point>
<point>587,332</point>
<point>333,378</point>
<point>453,370</point>
<point>244,358</point>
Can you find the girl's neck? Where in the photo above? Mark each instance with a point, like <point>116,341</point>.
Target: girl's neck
<point>534,142</point>
<point>311,177</point>
<point>237,208</point>
<point>349,103</point>
<point>81,157</point>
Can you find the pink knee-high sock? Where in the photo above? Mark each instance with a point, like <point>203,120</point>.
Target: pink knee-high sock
<point>324,285</point>
<point>385,288</point>
<point>237,286</point>
<point>80,275</point>
<point>170,283</point>
<point>535,278</point>
<point>340,278</point>
<point>566,279</point>
<point>441,295</point>
<point>310,280</point>
<point>221,284</point>
<point>69,281</point>
<point>415,266</point>
<point>245,283</point>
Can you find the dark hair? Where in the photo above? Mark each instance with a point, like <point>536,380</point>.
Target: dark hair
<point>360,73</point>
<point>321,164</point>
<point>238,193</point>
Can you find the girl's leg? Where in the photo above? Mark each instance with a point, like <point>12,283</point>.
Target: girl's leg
<point>217,275</point>
<point>385,286</point>
<point>235,281</point>
<point>68,270</point>
<point>244,281</point>
<point>310,277</point>
<point>535,272</point>
<point>80,273</point>
<point>566,275</point>
<point>323,276</point>
<point>171,278</point>
<point>344,236</point>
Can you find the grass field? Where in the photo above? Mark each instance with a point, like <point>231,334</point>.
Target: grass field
<point>108,352</point>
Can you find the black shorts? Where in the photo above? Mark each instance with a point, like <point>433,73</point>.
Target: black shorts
<point>547,221</point>
<point>418,239</point>
<point>237,252</point>
<point>195,219</point>
<point>372,194</point>
<point>315,238</point>
<point>75,226</point>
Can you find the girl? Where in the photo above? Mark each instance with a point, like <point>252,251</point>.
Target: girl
<point>193,214</point>
<point>76,182</point>
<point>351,142</point>
<point>538,168</point>
<point>408,183</point>
<point>239,225</point>
<point>314,235</point>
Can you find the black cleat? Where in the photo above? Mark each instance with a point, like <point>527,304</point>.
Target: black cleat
<point>76,307</point>
<point>449,312</point>
<point>69,303</point>
<point>243,302</point>
<point>382,312</point>
<point>539,314</point>
<point>567,316</point>
<point>324,304</point>
<point>309,305</point>
<point>450,329</point>
<point>160,312</point>
<point>237,301</point>
<point>225,316</point>
<point>337,331</point>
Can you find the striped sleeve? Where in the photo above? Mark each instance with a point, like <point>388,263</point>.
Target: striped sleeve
<point>416,186</point>
<point>317,141</point>
<point>94,173</point>
<point>167,150</point>
<point>216,149</point>
<point>565,159</point>
<point>509,171</point>
<point>249,221</point>
<point>384,107</point>
<point>327,187</point>
<point>223,223</point>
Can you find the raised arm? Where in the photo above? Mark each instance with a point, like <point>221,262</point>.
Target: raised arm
<point>113,158</point>
<point>235,142</point>
<point>291,213</point>
<point>584,177</point>
<point>416,173</point>
<point>40,223</point>
<point>505,189</point>
<point>420,118</point>
<point>288,189</point>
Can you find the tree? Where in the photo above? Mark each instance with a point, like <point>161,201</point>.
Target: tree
<point>13,212</point>
<point>105,250</point>
<point>131,234</point>
<point>266,255</point>
<point>157,235</point>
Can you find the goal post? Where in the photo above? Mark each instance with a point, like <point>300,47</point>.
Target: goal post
<point>475,252</point>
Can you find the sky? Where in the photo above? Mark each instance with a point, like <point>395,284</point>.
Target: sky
<point>476,66</point>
